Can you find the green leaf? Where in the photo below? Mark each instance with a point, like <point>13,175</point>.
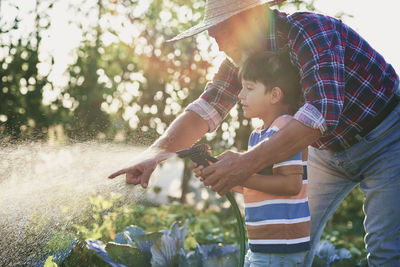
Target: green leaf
<point>50,263</point>
<point>59,241</point>
<point>355,251</point>
<point>127,255</point>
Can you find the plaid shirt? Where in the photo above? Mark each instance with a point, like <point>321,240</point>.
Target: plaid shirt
<point>345,81</point>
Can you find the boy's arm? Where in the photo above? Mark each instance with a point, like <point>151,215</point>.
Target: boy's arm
<point>238,189</point>
<point>285,180</point>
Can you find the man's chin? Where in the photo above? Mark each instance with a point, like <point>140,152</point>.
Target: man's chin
<point>234,62</point>
<point>235,58</point>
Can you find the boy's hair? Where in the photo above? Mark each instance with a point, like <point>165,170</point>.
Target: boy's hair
<point>274,69</point>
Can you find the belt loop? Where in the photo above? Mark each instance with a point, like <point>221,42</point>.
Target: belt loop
<point>358,137</point>
<point>397,88</point>
<point>345,145</point>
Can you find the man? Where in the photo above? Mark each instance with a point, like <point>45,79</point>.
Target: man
<point>350,117</point>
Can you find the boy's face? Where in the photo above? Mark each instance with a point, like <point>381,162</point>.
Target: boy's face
<point>255,100</point>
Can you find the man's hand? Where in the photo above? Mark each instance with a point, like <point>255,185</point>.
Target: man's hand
<point>228,172</point>
<point>182,133</point>
<point>234,168</point>
<point>138,173</point>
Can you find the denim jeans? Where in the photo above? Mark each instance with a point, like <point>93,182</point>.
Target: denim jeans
<point>374,163</point>
<point>255,259</point>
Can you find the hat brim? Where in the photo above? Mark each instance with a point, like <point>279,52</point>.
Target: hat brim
<point>204,25</point>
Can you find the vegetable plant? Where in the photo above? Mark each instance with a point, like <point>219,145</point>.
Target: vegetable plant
<point>327,251</point>
<point>134,247</point>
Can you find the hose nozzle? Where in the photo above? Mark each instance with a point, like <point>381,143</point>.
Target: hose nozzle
<point>199,153</point>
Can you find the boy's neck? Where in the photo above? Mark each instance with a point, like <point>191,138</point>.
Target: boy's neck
<point>273,115</point>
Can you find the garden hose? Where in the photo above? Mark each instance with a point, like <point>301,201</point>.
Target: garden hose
<point>240,223</point>
<point>201,155</point>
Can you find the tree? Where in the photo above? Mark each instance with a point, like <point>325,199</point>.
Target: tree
<point>22,114</point>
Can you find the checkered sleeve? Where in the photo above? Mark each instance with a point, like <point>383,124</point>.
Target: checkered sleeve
<point>219,96</point>
<point>317,49</point>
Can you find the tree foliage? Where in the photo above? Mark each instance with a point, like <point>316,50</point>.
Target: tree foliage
<point>22,114</point>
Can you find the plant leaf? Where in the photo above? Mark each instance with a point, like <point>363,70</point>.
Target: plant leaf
<point>127,255</point>
<point>60,255</point>
<point>326,251</point>
<point>186,259</point>
<point>134,231</point>
<point>197,256</point>
<point>99,247</point>
<point>123,238</point>
<point>178,233</point>
<point>174,230</point>
<point>50,263</point>
<point>165,252</point>
<point>145,242</point>
<point>343,253</point>
<point>216,255</point>
<point>60,246</point>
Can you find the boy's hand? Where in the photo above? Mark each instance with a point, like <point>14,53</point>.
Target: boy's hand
<point>198,171</point>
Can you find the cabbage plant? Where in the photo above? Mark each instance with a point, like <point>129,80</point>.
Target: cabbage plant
<point>327,251</point>
<point>57,248</point>
<point>134,247</point>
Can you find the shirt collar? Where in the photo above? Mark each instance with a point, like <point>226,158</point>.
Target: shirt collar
<point>277,29</point>
<point>271,41</point>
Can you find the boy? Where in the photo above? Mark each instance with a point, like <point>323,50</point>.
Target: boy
<point>276,204</point>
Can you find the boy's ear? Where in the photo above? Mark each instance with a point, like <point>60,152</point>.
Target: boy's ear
<point>276,95</point>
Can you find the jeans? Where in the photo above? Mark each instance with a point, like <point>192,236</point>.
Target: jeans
<point>374,163</point>
<point>256,259</point>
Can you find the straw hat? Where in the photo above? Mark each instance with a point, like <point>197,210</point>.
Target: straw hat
<point>217,11</point>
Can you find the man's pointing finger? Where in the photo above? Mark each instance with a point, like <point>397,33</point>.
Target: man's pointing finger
<point>115,174</point>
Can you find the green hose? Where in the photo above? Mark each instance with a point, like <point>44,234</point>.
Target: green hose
<point>201,155</point>
<point>240,223</point>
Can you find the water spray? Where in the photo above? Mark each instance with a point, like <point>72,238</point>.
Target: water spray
<point>46,189</point>
<point>201,155</point>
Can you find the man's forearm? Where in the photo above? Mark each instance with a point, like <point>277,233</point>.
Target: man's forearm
<point>184,131</point>
<point>280,146</point>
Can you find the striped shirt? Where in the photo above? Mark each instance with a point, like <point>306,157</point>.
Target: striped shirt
<point>345,82</point>
<point>278,224</point>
